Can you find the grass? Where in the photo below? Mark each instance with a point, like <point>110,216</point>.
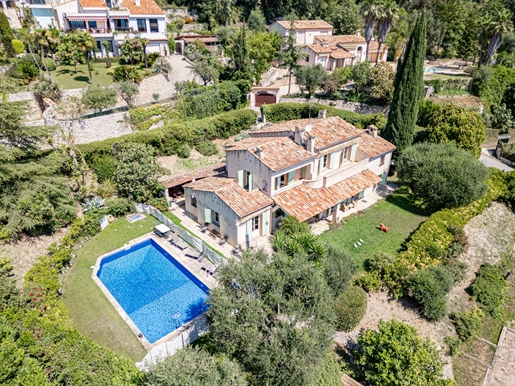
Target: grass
<point>397,212</point>
<point>90,311</point>
<point>68,79</point>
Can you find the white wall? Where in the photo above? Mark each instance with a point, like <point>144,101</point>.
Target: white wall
<point>44,15</point>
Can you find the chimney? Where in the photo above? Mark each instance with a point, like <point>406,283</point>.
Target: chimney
<point>358,32</point>
<point>325,43</point>
<point>299,136</point>
<point>322,114</point>
<point>310,143</point>
<point>372,130</point>
<point>137,3</point>
<point>260,153</point>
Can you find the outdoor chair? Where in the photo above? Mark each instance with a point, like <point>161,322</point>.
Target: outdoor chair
<point>178,242</point>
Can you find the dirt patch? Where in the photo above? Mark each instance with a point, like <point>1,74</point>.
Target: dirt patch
<point>24,252</point>
<point>468,371</point>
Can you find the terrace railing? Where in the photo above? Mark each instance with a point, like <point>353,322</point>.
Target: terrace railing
<point>195,242</point>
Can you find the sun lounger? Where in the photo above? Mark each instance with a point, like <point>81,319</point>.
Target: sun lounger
<point>200,257</point>
<point>178,242</point>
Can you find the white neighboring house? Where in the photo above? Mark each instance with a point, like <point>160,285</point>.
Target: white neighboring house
<point>342,50</point>
<point>306,30</point>
<point>110,20</point>
<point>310,169</point>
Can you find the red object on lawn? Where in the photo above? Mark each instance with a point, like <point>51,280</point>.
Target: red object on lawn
<point>382,227</point>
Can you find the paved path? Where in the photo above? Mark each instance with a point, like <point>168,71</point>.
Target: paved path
<point>492,162</point>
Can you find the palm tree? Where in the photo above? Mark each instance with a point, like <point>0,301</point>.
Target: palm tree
<point>370,12</point>
<point>388,14</point>
<point>399,34</point>
<point>144,42</point>
<point>499,25</point>
<point>85,43</point>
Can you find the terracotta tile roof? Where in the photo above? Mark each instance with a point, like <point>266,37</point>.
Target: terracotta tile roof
<point>208,171</point>
<point>146,7</point>
<point>319,49</point>
<point>304,202</point>
<point>335,39</point>
<point>341,53</point>
<point>277,152</point>
<point>374,146</point>
<point>240,200</point>
<point>374,45</point>
<point>93,3</point>
<point>306,24</point>
<point>202,38</point>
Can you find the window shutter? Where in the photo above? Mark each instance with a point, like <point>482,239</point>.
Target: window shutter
<point>249,227</point>
<point>320,164</point>
<point>240,178</point>
<point>353,152</point>
<point>361,194</point>
<point>383,182</point>
<point>251,182</point>
<point>291,176</point>
<point>207,215</point>
<point>334,158</point>
<point>264,223</point>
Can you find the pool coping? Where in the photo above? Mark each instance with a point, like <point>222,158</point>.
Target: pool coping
<point>183,260</point>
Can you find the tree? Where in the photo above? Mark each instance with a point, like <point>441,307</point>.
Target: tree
<point>263,50</point>
<point>442,175</point>
<point>6,35</point>
<point>86,44</point>
<point>351,306</point>
<point>291,53</point>
<point>395,355</point>
<point>452,123</point>
<point>99,98</point>
<point>194,367</point>
<point>69,52</point>
<point>370,12</point>
<point>399,34</point>
<point>381,83</point>
<point>339,268</point>
<point>311,77</point>
<point>256,21</point>
<point>361,74</point>
<point>387,15</point>
<point>344,16</point>
<point>47,88</point>
<point>409,89</point>
<point>144,43</point>
<point>206,70</point>
<point>128,91</point>
<point>137,171</point>
<point>241,65</point>
<point>106,46</point>
<point>273,314</point>
<point>162,66</point>
<point>499,24</point>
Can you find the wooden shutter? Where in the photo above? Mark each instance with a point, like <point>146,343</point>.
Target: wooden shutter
<point>361,194</point>
<point>353,152</point>
<point>332,161</point>
<point>264,223</point>
<point>291,176</point>
<point>240,178</point>
<point>207,215</point>
<point>383,181</point>
<point>249,227</point>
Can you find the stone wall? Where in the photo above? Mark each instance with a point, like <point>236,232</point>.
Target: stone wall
<point>271,76</point>
<point>360,108</point>
<point>35,113</point>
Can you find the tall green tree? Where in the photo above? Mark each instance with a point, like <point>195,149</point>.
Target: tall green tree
<point>371,12</point>
<point>99,98</point>
<point>85,43</point>
<point>6,35</point>
<point>311,77</point>
<point>291,52</point>
<point>387,15</point>
<point>239,52</point>
<point>344,16</point>
<point>256,21</point>
<point>499,24</point>
<point>409,89</point>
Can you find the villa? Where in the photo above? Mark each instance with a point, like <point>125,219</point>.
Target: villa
<point>305,30</point>
<point>312,169</point>
<point>106,20</point>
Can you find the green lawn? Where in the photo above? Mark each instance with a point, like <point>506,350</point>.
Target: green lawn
<point>90,311</point>
<point>397,212</point>
<point>68,79</point>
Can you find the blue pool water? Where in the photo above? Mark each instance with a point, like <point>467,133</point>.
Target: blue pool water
<point>154,289</point>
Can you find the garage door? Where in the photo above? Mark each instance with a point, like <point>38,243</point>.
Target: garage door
<point>265,98</point>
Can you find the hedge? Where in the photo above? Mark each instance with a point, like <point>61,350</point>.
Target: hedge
<point>167,140</point>
<point>287,111</point>
<point>350,308</point>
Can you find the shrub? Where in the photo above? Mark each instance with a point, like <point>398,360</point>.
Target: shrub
<point>429,288</point>
<point>123,73</point>
<point>47,87</point>
<point>18,46</point>
<point>350,308</point>
<point>25,70</point>
<point>103,166</point>
<point>159,203</point>
<point>467,323</point>
<point>106,189</point>
<point>489,289</point>
<point>207,148</point>
<point>117,206</point>
<point>339,270</point>
<point>49,63</point>
<point>184,150</point>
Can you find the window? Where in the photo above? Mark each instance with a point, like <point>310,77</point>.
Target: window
<point>324,161</point>
<point>92,24</point>
<point>154,27</point>
<point>381,160</point>
<point>280,182</point>
<point>77,24</point>
<point>216,218</point>
<point>346,153</point>
<point>99,47</point>
<point>193,200</point>
<point>142,25</point>
<point>121,24</point>
<point>255,223</point>
<point>39,2</point>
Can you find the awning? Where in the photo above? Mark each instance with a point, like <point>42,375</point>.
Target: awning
<point>86,18</point>
<point>120,17</point>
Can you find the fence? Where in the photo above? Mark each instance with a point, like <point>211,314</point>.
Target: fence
<point>195,242</point>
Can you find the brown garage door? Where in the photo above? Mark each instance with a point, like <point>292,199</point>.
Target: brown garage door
<point>265,98</point>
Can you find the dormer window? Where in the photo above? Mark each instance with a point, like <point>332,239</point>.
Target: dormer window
<point>324,161</point>
<point>346,153</point>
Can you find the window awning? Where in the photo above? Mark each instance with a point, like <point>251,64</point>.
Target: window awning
<point>120,17</point>
<point>86,18</point>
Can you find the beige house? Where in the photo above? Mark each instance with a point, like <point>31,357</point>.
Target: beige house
<point>311,169</point>
<point>342,50</point>
<point>306,30</point>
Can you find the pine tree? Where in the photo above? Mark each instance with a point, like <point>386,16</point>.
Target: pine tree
<point>409,89</point>
<point>6,35</point>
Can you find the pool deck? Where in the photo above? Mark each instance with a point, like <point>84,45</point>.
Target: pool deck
<point>190,264</point>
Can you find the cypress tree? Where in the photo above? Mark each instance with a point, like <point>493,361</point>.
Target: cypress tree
<point>6,35</point>
<point>409,90</point>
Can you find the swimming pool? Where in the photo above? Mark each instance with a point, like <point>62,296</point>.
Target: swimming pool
<point>154,289</point>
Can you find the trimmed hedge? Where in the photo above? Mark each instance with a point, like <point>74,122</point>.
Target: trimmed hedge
<point>167,140</point>
<point>350,307</point>
<point>287,111</point>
